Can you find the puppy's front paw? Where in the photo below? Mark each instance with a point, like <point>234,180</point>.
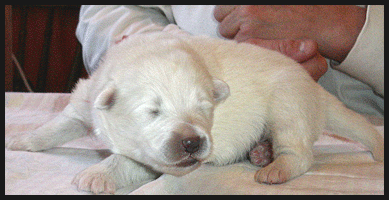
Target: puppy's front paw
<point>95,180</point>
<point>21,142</point>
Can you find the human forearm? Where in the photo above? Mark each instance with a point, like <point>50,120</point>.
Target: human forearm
<point>336,34</point>
<point>100,26</point>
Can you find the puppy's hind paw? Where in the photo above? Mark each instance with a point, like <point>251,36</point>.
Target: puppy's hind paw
<point>284,168</point>
<point>279,171</point>
<point>271,175</point>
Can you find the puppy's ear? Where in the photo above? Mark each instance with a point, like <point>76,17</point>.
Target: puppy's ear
<point>106,98</point>
<point>221,90</point>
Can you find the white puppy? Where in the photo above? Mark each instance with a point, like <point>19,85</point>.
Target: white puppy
<point>160,102</point>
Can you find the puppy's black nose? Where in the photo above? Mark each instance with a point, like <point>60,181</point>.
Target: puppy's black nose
<point>191,144</point>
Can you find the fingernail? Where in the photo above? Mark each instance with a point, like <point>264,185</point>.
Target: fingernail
<point>302,47</point>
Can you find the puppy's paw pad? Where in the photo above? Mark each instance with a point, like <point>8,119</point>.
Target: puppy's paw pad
<point>95,182</point>
<point>262,154</point>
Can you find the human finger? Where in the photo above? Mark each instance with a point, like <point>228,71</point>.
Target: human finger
<point>316,66</point>
<point>230,26</point>
<point>299,50</point>
<point>221,11</point>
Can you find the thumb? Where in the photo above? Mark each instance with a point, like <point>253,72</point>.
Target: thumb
<point>299,50</point>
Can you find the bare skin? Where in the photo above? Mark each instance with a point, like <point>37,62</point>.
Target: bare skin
<point>327,30</point>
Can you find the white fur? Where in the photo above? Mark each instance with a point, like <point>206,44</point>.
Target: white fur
<point>154,91</point>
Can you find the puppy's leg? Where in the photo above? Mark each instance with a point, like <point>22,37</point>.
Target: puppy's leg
<point>293,157</point>
<point>295,122</point>
<point>112,173</point>
<point>63,128</point>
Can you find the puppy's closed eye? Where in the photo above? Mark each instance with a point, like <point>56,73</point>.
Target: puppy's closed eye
<point>154,109</point>
<point>155,112</point>
<point>206,107</point>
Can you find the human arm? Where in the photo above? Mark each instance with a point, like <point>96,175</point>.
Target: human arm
<point>351,35</point>
<point>334,28</point>
<point>100,26</point>
<point>365,61</point>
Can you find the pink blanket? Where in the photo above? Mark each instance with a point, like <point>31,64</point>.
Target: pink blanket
<point>341,166</point>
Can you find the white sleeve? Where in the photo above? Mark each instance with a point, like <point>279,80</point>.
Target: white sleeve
<point>100,26</point>
<point>365,61</point>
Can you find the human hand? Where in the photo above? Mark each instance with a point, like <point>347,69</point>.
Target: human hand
<point>303,51</point>
<point>334,28</point>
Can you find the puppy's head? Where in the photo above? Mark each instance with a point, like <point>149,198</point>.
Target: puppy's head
<point>160,112</point>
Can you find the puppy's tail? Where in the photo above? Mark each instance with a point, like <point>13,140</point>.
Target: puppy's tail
<point>347,123</point>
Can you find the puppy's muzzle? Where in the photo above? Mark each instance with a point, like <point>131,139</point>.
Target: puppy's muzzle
<point>188,145</point>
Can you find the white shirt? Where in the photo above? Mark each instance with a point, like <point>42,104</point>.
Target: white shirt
<point>358,81</point>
